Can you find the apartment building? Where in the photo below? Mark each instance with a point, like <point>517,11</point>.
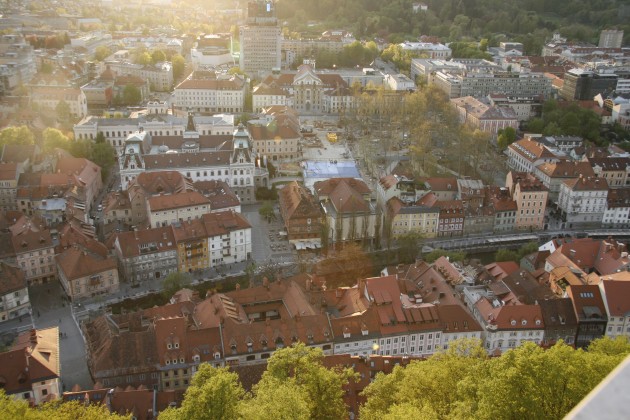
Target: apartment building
<point>276,136</point>
<point>31,367</point>
<point>487,118</point>
<point>260,39</point>
<point>49,97</point>
<point>35,255</point>
<point>553,174</point>
<point>583,200</point>
<point>404,219</point>
<point>164,210</point>
<point>531,198</point>
<point>614,295</point>
<point>212,95</point>
<point>616,170</point>
<point>301,213</point>
<point>213,240</point>
<point>617,213</point>
<point>14,298</point>
<point>159,76</point>
<point>146,254</point>
<point>526,154</point>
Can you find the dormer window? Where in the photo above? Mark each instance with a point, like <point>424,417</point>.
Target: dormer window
<point>169,346</point>
<point>174,361</point>
<point>182,360</point>
<point>538,322</point>
<point>264,343</point>
<point>217,355</point>
<point>513,322</point>
<point>196,358</point>
<point>176,345</point>
<point>524,322</point>
<point>346,334</point>
<point>233,347</point>
<point>168,361</point>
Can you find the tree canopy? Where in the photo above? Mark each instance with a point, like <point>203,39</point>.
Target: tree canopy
<point>295,385</point>
<point>463,383</point>
<point>21,135</point>
<point>11,408</point>
<point>174,282</point>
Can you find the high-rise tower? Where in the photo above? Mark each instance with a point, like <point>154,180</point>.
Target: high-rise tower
<point>260,39</point>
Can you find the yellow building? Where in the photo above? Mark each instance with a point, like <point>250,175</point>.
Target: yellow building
<point>405,219</point>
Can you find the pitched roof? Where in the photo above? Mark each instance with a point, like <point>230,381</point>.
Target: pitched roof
<point>31,240</point>
<point>218,193</point>
<point>160,182</point>
<point>566,169</point>
<point>272,131</point>
<point>617,295</point>
<point>587,302</point>
<point>587,184</point>
<point>76,263</point>
<point>133,244</point>
<point>177,201</point>
<point>441,184</point>
<point>455,318</point>
<point>8,172</point>
<point>531,150</point>
<point>109,349</point>
<point>34,357</point>
<point>297,201</point>
<point>346,194</point>
<point>12,279</point>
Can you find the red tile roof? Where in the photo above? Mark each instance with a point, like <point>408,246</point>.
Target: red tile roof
<point>587,184</point>
<point>177,201</point>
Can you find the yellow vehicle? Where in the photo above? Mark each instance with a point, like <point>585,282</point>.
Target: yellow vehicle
<point>332,137</point>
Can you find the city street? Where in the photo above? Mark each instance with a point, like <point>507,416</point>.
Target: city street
<point>50,309</point>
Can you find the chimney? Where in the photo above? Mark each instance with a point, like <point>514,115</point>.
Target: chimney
<point>33,337</point>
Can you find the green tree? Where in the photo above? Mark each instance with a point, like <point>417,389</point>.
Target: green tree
<point>158,56</point>
<point>53,139</point>
<point>102,153</point>
<point>143,58</point>
<point>213,394</point>
<point>610,346</point>
<point>81,148</point>
<point>179,65</point>
<point>63,110</point>
<point>174,282</point>
<point>548,383</point>
<point>276,400</point>
<point>102,52</point>
<point>430,386</point>
<point>267,211</point>
<point>506,137</point>
<point>11,408</point>
<point>301,368</point>
<point>463,383</point>
<point>21,135</point>
<point>408,246</point>
<point>506,255</point>
<point>131,95</point>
